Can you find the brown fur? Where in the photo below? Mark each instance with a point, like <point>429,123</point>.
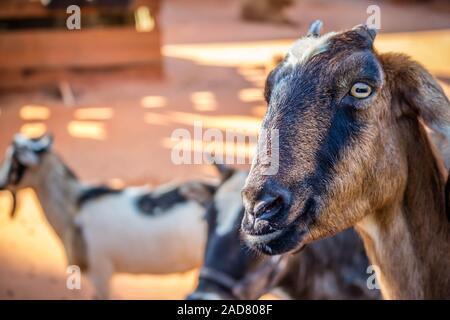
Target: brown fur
<point>386,180</point>
<point>407,208</point>
<point>414,232</point>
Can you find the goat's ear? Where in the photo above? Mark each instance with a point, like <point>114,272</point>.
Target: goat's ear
<point>23,151</point>
<point>38,145</point>
<point>28,151</point>
<point>412,83</point>
<point>422,93</point>
<point>426,97</point>
<point>43,143</point>
<point>365,31</point>
<point>225,171</point>
<point>433,106</point>
<point>198,191</point>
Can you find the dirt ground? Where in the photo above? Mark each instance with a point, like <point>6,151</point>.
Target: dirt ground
<point>119,130</point>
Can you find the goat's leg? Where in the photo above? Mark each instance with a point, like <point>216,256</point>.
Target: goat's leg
<point>100,272</point>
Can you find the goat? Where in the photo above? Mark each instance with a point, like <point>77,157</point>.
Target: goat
<point>333,268</point>
<point>134,230</point>
<point>354,152</point>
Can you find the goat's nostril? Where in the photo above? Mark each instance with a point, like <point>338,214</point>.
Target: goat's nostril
<point>268,206</point>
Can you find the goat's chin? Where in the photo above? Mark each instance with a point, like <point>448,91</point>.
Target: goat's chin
<point>288,240</point>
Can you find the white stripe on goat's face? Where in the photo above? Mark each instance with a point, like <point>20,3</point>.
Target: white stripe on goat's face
<point>305,48</point>
<point>228,202</point>
<point>6,167</point>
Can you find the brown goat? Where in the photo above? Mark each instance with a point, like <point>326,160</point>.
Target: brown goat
<point>353,151</point>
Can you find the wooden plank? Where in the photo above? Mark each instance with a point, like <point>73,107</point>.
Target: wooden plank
<point>19,9</point>
<point>22,8</point>
<point>11,79</point>
<point>83,48</point>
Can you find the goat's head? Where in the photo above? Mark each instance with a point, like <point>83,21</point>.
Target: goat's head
<point>22,157</point>
<point>340,111</point>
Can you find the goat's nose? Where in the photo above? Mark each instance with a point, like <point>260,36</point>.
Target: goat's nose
<point>271,205</point>
<point>268,206</point>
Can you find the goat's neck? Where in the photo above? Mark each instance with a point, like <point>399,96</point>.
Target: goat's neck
<point>57,190</point>
<point>409,241</point>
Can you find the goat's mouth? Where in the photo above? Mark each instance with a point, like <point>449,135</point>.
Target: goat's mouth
<point>288,239</point>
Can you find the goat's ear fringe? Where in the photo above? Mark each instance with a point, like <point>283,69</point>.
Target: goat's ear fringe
<point>429,101</point>
<point>423,94</point>
<point>419,90</point>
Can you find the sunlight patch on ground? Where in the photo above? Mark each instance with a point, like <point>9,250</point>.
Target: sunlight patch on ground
<point>259,111</point>
<point>237,152</point>
<point>256,76</point>
<point>171,286</point>
<point>33,130</point>
<point>204,101</point>
<point>254,53</point>
<point>227,54</point>
<point>34,112</point>
<point>251,95</point>
<point>234,123</point>
<point>421,46</point>
<point>94,114</point>
<point>116,183</point>
<point>245,124</point>
<point>157,119</point>
<point>151,102</point>
<point>87,130</point>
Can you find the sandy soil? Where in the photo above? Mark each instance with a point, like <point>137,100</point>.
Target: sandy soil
<point>119,131</point>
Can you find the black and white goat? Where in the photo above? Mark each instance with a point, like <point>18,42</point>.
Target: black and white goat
<point>334,268</point>
<point>134,230</point>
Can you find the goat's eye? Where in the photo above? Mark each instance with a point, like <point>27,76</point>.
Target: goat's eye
<point>361,90</point>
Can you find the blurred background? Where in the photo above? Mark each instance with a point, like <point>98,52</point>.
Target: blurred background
<point>113,92</point>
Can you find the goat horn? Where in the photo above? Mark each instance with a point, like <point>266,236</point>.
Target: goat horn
<point>314,28</point>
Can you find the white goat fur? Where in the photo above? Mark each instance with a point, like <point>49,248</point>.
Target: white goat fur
<point>119,238</point>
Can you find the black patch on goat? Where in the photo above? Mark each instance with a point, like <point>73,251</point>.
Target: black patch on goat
<point>148,203</point>
<point>16,173</point>
<point>344,128</point>
<point>95,193</point>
